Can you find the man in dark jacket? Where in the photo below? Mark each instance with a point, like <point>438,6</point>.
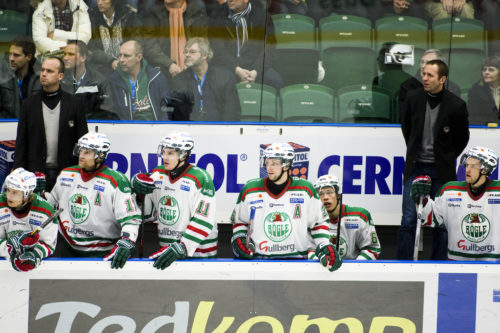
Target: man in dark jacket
<point>436,130</point>
<point>50,124</point>
<point>139,91</point>
<point>18,80</point>
<point>212,88</point>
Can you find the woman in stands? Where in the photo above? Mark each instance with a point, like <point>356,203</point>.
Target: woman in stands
<point>484,96</point>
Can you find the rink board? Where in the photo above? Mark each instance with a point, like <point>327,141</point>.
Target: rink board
<point>368,159</point>
<point>239,296</point>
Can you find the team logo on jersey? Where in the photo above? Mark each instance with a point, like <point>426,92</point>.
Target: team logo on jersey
<point>343,248</point>
<point>277,226</point>
<point>79,208</point>
<point>168,210</point>
<point>475,227</point>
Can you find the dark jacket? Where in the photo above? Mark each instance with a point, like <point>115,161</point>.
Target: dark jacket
<point>156,32</point>
<point>157,92</point>
<point>481,105</point>
<point>451,131</point>
<point>258,51</point>
<point>31,146</point>
<point>125,21</point>
<point>220,98</point>
<point>10,101</point>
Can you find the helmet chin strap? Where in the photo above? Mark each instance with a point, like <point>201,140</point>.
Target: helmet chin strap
<point>478,178</point>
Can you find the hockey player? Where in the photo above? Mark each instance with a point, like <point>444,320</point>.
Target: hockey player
<point>280,216</point>
<point>181,198</point>
<point>22,213</point>
<point>358,238</point>
<point>100,217</point>
<point>470,210</point>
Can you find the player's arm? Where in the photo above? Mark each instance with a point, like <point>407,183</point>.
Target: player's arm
<point>48,234</point>
<point>367,240</point>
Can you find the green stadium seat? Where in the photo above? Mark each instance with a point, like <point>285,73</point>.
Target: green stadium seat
<point>364,104</point>
<point>345,31</point>
<point>12,23</point>
<point>307,103</point>
<point>258,102</point>
<point>294,31</point>
<point>465,66</point>
<point>459,33</point>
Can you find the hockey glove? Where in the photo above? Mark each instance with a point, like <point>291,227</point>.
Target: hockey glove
<point>329,257</point>
<point>142,183</point>
<point>26,261</point>
<point>241,249</point>
<point>123,250</point>
<point>421,186</point>
<point>41,183</point>
<point>20,241</point>
<point>168,254</point>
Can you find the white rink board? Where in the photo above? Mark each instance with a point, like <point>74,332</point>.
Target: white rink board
<point>365,158</point>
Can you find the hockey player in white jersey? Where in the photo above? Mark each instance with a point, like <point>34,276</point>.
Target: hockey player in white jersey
<point>23,239</point>
<point>181,198</point>
<point>100,217</point>
<point>280,216</point>
<point>358,238</point>
<point>470,210</point>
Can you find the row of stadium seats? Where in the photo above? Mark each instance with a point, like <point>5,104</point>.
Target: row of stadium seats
<point>316,103</point>
<point>348,46</point>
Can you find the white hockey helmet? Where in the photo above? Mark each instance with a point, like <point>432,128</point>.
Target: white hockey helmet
<point>486,156</point>
<point>282,151</point>
<point>181,142</point>
<point>21,180</point>
<point>327,181</point>
<point>98,142</point>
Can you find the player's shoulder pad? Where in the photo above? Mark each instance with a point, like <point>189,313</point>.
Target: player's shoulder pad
<point>202,179</point>
<point>360,212</point>
<point>40,204</point>
<point>252,185</point>
<point>3,200</point>
<point>304,185</point>
<point>452,186</point>
<point>160,169</point>
<point>116,179</point>
<point>494,185</point>
<point>73,168</point>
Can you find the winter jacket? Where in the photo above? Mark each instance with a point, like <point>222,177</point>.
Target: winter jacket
<point>10,100</point>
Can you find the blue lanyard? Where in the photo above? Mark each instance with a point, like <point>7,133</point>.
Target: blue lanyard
<point>19,86</point>
<point>200,88</point>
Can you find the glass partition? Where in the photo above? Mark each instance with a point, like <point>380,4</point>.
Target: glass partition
<point>329,61</point>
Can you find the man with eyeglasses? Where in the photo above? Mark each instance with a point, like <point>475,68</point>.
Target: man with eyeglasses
<point>470,209</point>
<point>357,237</point>
<point>211,88</point>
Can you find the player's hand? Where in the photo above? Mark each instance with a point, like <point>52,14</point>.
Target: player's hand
<point>168,254</point>
<point>241,249</point>
<point>329,257</point>
<point>26,261</point>
<point>123,250</point>
<point>142,183</point>
<point>41,183</point>
<point>421,186</point>
<point>20,241</point>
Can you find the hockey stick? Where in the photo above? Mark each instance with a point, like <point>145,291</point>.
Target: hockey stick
<point>250,225</point>
<point>337,240</point>
<point>47,221</point>
<point>141,229</point>
<point>419,228</point>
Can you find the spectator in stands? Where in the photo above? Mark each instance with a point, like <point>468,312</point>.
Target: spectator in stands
<point>288,7</point>
<point>90,86</point>
<point>56,21</point>
<point>213,88</point>
<point>50,123</point>
<point>139,91</point>
<point>166,28</point>
<point>243,41</point>
<point>415,8</point>
<point>20,80</point>
<point>438,9</point>
<point>484,96</point>
<point>416,81</point>
<point>112,22</point>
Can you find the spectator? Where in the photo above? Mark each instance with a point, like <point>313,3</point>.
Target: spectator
<point>484,96</point>
<point>213,88</point>
<point>56,21</point>
<point>415,8</point>
<point>139,90</point>
<point>50,124</point>
<point>166,28</point>
<point>436,130</point>
<point>438,9</point>
<point>20,81</point>
<point>243,41</point>
<point>112,22</point>
<point>82,81</point>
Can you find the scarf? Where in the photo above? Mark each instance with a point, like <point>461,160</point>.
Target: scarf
<point>240,20</point>
<point>177,34</point>
<point>51,98</point>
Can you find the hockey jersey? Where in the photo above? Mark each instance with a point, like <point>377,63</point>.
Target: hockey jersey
<point>284,226</point>
<point>39,212</point>
<point>97,211</point>
<point>473,223</point>
<point>184,210</point>
<point>358,238</point>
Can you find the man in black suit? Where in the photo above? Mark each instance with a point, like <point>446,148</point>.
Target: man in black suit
<point>50,123</point>
<point>435,126</point>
